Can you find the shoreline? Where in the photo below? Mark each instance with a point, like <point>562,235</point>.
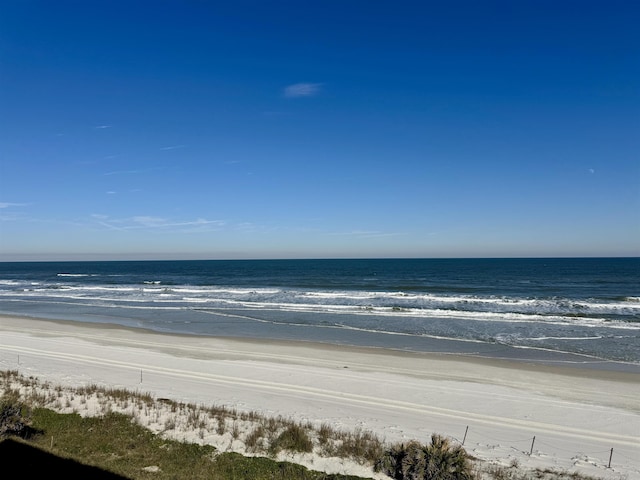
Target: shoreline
<point>495,353</point>
<point>398,395</point>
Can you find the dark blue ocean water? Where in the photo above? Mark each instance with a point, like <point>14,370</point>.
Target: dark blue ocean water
<point>588,306</point>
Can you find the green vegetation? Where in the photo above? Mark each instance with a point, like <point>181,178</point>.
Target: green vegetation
<point>14,416</point>
<point>118,438</point>
<point>439,460</point>
<point>114,443</point>
<point>295,439</point>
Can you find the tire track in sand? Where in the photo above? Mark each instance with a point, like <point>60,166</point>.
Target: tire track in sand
<point>339,397</point>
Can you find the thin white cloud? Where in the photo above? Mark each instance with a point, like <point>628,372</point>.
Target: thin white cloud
<point>366,234</point>
<point>104,221</point>
<point>132,172</point>
<point>122,172</point>
<point>101,127</point>
<point>382,234</point>
<point>302,90</point>
<point>199,222</point>
<point>9,214</point>
<point>172,147</point>
<point>151,222</point>
<point>9,205</point>
<point>353,232</point>
<point>247,226</point>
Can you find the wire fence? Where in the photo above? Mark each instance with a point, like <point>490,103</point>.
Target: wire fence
<point>536,446</point>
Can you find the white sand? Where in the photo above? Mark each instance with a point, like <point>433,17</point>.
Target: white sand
<point>577,415</point>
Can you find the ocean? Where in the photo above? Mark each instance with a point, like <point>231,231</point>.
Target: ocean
<point>554,309</point>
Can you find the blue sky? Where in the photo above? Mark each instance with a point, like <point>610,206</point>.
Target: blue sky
<point>285,129</point>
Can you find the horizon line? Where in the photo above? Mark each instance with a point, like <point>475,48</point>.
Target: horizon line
<point>69,258</point>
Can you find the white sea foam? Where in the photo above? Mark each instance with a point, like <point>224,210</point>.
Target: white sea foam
<point>542,321</point>
<point>365,298</point>
<point>229,291</point>
<point>535,339</point>
<point>359,302</point>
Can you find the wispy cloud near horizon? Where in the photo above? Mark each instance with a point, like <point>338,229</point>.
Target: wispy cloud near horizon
<point>151,222</point>
<point>365,234</point>
<point>9,204</point>
<point>302,90</point>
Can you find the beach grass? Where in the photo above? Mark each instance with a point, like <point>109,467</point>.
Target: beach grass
<point>113,443</point>
<point>117,437</point>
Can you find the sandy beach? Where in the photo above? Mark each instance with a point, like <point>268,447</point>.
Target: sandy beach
<point>577,415</point>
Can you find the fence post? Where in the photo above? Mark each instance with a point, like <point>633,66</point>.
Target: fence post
<point>610,456</point>
<point>532,442</point>
<point>465,434</point>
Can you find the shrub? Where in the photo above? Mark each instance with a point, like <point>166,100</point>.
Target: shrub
<point>294,438</point>
<point>15,418</point>
<point>439,460</point>
<point>446,461</point>
<point>360,446</point>
<point>397,461</point>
